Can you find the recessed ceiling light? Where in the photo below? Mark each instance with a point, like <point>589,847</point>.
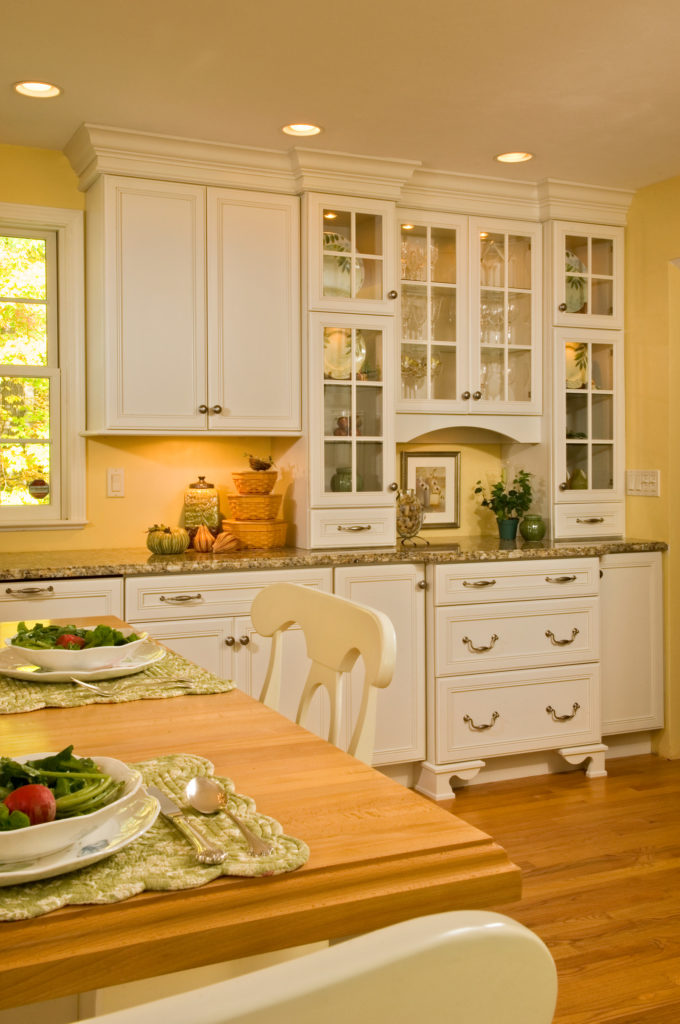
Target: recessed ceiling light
<point>514,158</point>
<point>37,90</point>
<point>301,129</point>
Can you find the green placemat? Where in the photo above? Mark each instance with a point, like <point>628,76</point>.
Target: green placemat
<point>17,695</point>
<point>162,859</point>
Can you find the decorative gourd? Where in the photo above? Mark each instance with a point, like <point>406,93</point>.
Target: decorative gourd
<point>167,540</point>
<point>203,539</point>
<point>226,542</point>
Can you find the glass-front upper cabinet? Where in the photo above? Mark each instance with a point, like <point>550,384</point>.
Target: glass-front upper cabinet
<point>588,275</point>
<point>505,318</point>
<point>589,405</point>
<point>351,264</point>
<point>434,353</point>
<point>351,414</point>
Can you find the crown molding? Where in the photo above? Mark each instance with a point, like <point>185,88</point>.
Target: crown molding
<point>98,149</point>
<point>570,200</point>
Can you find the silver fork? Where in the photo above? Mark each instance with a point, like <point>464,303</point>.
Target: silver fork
<point>184,684</point>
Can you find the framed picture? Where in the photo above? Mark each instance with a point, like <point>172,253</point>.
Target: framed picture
<point>435,478</point>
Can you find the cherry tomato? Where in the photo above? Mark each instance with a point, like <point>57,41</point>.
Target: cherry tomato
<point>70,641</point>
<point>35,801</point>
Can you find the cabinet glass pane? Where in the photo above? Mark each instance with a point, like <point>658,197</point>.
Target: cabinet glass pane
<point>369,411</point>
<point>25,466</point>
<point>413,313</point>
<point>576,362</point>
<point>338,467</point>
<point>519,318</point>
<point>519,376</point>
<point>337,410</point>
<point>337,229</point>
<point>492,374</point>
<point>492,260</point>
<point>443,314</point>
<point>577,416</point>
<point>368,278</point>
<point>337,353</point>
<point>519,261</point>
<point>443,371</point>
<point>602,371</point>
<point>414,371</point>
<point>576,255</point>
<point>603,417</point>
<point>413,253</point>
<point>577,466</point>
<point>369,466</point>
<point>443,255</point>
<point>602,256</point>
<point>602,297</point>
<point>603,467</point>
<point>369,238</point>
<point>369,354</point>
<point>492,317</point>
<point>337,278</point>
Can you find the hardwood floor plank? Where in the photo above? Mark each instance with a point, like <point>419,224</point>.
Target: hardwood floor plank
<point>600,861</point>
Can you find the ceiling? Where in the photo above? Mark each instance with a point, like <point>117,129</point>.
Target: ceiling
<point>591,87</point>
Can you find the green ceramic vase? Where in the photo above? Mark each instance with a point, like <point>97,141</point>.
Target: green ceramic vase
<point>532,527</point>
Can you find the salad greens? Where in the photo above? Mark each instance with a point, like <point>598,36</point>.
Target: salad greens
<point>78,785</point>
<point>41,637</point>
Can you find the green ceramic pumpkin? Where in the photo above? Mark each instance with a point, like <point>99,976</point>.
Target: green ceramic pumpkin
<point>167,540</point>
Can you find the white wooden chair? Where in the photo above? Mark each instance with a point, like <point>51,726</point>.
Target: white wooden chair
<point>337,632</point>
<point>459,967</point>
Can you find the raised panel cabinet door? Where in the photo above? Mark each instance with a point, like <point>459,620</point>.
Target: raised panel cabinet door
<point>206,642</point>
<point>146,306</point>
<point>631,604</point>
<point>399,592</point>
<point>254,342</point>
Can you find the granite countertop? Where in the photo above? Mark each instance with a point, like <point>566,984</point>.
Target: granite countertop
<point>140,562</point>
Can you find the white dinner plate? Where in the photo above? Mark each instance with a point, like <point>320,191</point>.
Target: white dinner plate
<point>13,664</point>
<point>117,832</point>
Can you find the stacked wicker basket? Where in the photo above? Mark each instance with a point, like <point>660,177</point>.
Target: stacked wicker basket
<point>255,509</point>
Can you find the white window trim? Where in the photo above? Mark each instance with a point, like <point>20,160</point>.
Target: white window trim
<point>68,225</point>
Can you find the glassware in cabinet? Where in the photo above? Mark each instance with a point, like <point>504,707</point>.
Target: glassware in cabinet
<point>588,275</point>
<point>433,324</point>
<point>351,265</point>
<point>505,343</point>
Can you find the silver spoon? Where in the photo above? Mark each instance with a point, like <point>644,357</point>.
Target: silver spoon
<point>206,795</point>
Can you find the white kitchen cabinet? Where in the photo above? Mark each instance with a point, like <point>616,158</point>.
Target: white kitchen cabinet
<point>60,598</point>
<point>350,254</point>
<point>587,275</point>
<point>588,433</point>
<point>193,314</point>
<point>351,439</point>
<point>399,592</point>
<point>511,676</point>
<point>632,642</point>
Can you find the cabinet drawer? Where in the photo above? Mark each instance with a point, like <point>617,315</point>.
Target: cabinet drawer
<point>208,594</point>
<point>500,581</point>
<point>518,635</point>
<point>352,528</point>
<point>510,712</point>
<point>53,599</point>
<point>592,519</point>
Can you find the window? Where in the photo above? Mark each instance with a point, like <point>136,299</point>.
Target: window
<point>41,368</point>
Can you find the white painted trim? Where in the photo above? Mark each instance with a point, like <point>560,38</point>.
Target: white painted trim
<point>68,225</point>
<point>98,149</point>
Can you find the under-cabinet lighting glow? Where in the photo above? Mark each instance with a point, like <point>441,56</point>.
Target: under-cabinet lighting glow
<point>514,158</point>
<point>329,215</point>
<point>37,90</point>
<point>407,227</point>
<point>483,234</point>
<point>301,129</point>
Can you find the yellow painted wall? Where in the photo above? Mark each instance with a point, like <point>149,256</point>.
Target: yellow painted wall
<point>652,353</point>
<point>38,177</point>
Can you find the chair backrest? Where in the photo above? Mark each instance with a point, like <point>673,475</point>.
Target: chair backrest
<point>459,967</point>
<point>337,632</point>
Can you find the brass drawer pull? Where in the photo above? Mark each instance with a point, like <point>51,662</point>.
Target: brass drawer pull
<point>354,528</point>
<point>481,728</point>
<point>560,579</point>
<point>563,718</point>
<point>24,591</point>
<point>561,643</point>
<point>479,583</point>
<point>180,598</point>
<point>480,650</point>
<point>591,519</point>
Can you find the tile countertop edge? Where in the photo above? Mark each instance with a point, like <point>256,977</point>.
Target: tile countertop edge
<point>139,562</point>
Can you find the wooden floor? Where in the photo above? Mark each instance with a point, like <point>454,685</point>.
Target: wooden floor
<point>601,882</point>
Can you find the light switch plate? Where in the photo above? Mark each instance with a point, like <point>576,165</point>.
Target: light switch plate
<point>643,482</point>
<point>115,483</point>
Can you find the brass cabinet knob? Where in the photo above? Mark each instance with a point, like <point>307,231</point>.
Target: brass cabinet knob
<point>244,640</point>
<point>216,408</point>
<point>465,395</point>
<point>203,408</point>
<point>477,395</point>
<point>392,294</point>
<point>562,307</point>
<point>230,641</point>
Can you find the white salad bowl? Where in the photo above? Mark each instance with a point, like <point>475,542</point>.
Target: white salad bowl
<point>36,841</point>
<point>87,659</point>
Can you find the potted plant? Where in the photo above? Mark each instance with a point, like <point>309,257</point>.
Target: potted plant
<point>507,501</point>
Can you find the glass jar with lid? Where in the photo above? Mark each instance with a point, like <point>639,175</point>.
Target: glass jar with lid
<point>201,506</point>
